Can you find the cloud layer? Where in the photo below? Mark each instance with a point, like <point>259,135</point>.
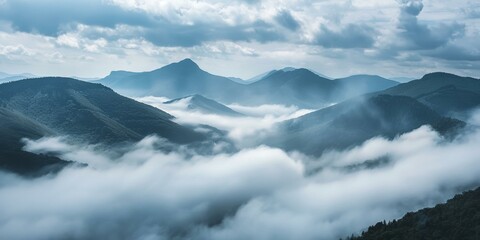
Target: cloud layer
<point>244,131</point>
<point>141,192</point>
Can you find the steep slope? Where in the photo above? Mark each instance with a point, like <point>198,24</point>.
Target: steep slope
<point>443,92</point>
<point>91,112</point>
<point>361,84</point>
<point>354,121</point>
<point>205,105</point>
<point>458,218</point>
<point>175,80</point>
<point>13,127</point>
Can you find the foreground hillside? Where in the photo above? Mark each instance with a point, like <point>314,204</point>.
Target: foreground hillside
<point>13,127</point>
<point>458,219</point>
<point>85,112</point>
<point>89,111</point>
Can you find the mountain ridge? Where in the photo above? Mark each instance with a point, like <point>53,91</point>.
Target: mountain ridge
<point>297,86</point>
<point>205,105</point>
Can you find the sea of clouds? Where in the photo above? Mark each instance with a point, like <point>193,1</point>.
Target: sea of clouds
<point>258,192</point>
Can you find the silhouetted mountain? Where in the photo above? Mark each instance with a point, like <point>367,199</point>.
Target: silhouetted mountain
<point>260,76</point>
<point>361,84</point>
<point>352,122</point>
<point>288,86</point>
<point>300,87</point>
<point>321,75</point>
<point>458,218</point>
<point>402,79</point>
<point>117,77</point>
<point>89,111</point>
<point>238,80</point>
<point>13,127</point>
<point>175,80</point>
<point>205,105</point>
<point>443,92</point>
<point>266,74</point>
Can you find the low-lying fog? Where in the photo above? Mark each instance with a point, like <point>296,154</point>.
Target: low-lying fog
<point>257,193</point>
<point>256,122</point>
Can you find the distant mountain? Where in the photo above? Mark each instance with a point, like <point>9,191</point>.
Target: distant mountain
<point>88,111</point>
<point>205,105</point>
<point>321,75</point>
<point>354,121</point>
<point>289,86</point>
<point>13,127</point>
<point>5,77</point>
<point>173,81</point>
<point>286,69</point>
<point>459,218</point>
<point>299,87</point>
<point>361,84</point>
<point>116,78</point>
<point>445,93</point>
<point>402,79</point>
<point>238,80</point>
<point>260,76</point>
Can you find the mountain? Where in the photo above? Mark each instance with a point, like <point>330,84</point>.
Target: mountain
<point>5,77</point>
<point>289,86</point>
<point>299,87</point>
<point>402,79</point>
<point>13,127</point>
<point>361,84</point>
<point>205,105</point>
<point>458,218</point>
<point>175,80</point>
<point>352,122</point>
<point>88,111</point>
<point>285,69</point>
<point>304,88</point>
<point>260,76</point>
<point>445,93</point>
<point>321,75</point>
<point>238,80</point>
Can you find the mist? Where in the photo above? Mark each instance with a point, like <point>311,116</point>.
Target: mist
<point>245,131</point>
<point>142,192</point>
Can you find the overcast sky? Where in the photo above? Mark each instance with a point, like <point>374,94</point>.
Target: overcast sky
<point>241,38</point>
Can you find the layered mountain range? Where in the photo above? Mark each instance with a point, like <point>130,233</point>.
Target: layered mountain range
<point>368,106</point>
<point>289,86</point>
<point>346,113</point>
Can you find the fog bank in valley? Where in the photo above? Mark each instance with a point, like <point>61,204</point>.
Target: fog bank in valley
<point>258,192</point>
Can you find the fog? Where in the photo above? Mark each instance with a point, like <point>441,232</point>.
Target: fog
<point>140,192</point>
<point>244,131</point>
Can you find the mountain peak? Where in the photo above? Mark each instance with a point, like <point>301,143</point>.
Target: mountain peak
<point>438,75</point>
<point>288,69</point>
<point>206,105</point>
<point>188,62</point>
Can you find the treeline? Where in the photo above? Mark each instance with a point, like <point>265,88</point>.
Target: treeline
<point>459,218</point>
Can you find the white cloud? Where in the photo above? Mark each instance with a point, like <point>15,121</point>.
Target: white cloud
<point>68,40</point>
<point>242,38</point>
<point>260,193</point>
<point>245,131</point>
